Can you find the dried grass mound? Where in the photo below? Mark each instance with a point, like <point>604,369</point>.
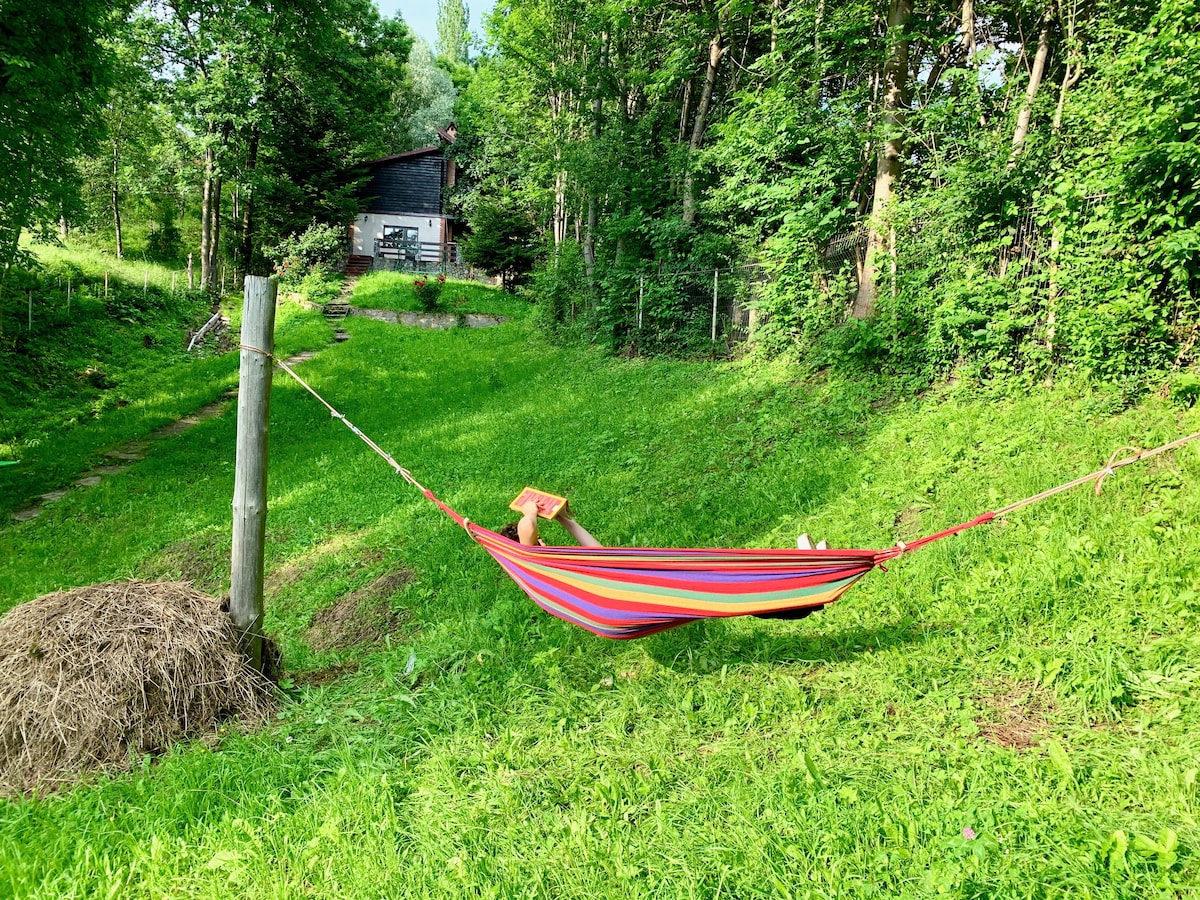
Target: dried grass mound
<point>95,677</point>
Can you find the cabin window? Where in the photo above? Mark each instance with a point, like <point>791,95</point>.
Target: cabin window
<point>401,234</point>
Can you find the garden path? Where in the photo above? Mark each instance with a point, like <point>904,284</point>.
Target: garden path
<point>121,457</point>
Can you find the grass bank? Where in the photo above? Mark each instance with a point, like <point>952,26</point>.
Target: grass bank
<point>94,354</point>
<point>1010,713</point>
<point>394,291</point>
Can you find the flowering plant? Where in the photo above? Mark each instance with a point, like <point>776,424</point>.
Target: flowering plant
<point>429,293</point>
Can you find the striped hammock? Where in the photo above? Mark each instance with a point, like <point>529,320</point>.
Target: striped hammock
<point>630,592</point>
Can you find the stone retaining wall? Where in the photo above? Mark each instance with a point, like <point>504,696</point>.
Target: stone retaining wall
<point>434,321</point>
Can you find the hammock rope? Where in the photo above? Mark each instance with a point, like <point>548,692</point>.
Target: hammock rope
<point>628,592</point>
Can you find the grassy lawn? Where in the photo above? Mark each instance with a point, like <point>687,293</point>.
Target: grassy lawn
<point>1008,713</point>
<point>97,371</point>
<point>394,291</point>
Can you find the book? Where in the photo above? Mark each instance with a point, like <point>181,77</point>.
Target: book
<point>549,505</point>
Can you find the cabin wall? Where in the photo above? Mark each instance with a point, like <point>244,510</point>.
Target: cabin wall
<point>410,186</point>
<point>368,228</point>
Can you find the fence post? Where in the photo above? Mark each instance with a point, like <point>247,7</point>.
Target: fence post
<point>641,290</point>
<point>716,273</point>
<point>191,279</point>
<point>250,468</point>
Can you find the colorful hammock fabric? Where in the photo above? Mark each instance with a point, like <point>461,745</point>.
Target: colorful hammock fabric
<point>630,592</point>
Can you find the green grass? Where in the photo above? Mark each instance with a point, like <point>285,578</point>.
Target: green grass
<point>394,291</point>
<point>840,756</point>
<point>98,372</point>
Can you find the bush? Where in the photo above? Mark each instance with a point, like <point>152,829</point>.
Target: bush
<point>319,248</point>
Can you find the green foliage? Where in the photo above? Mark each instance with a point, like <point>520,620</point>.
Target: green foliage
<point>54,72</point>
<point>319,249</point>
<point>429,291</point>
<point>559,289</point>
<point>502,242</point>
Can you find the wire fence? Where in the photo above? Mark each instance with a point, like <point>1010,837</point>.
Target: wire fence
<point>1024,251</point>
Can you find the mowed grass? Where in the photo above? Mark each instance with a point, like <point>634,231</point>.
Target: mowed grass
<point>394,291</point>
<point>486,749</point>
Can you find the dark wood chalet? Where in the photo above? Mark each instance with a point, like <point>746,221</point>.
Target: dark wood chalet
<point>403,221</point>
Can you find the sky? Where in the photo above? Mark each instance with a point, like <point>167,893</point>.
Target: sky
<point>421,15</point>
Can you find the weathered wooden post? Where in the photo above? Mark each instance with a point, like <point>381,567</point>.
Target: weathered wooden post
<point>716,273</point>
<point>641,291</point>
<point>191,277</point>
<point>250,472</point>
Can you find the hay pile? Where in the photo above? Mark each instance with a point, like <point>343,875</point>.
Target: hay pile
<point>95,677</point>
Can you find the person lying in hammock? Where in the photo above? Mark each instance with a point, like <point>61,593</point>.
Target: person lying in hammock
<point>526,530</point>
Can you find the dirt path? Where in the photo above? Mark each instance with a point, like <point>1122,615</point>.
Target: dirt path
<point>121,457</point>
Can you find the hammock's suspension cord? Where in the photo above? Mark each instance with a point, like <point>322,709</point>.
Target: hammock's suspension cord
<point>1097,477</point>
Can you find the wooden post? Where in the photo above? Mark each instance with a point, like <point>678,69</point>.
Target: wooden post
<point>191,278</point>
<point>250,472</point>
<point>641,290</point>
<point>716,272</point>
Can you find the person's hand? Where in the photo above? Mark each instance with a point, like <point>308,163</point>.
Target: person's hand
<point>564,514</point>
<point>530,508</point>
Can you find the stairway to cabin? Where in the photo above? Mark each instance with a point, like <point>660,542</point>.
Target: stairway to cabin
<point>339,308</point>
<point>357,265</point>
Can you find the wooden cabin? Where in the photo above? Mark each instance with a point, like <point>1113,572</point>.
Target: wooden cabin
<point>403,222</point>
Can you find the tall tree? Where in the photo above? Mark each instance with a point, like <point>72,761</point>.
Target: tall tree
<point>453,37</point>
<point>880,235</point>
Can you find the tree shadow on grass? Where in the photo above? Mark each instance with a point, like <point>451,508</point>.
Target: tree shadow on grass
<point>710,644</point>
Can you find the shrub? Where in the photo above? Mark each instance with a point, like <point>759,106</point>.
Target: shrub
<point>318,248</point>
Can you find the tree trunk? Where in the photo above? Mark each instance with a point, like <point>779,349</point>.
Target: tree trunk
<point>1072,69</point>
<point>1035,80</point>
<point>593,204</point>
<point>116,202</point>
<point>716,51</point>
<point>890,154</point>
<point>247,235</point>
<point>207,270</point>
<point>968,27</point>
